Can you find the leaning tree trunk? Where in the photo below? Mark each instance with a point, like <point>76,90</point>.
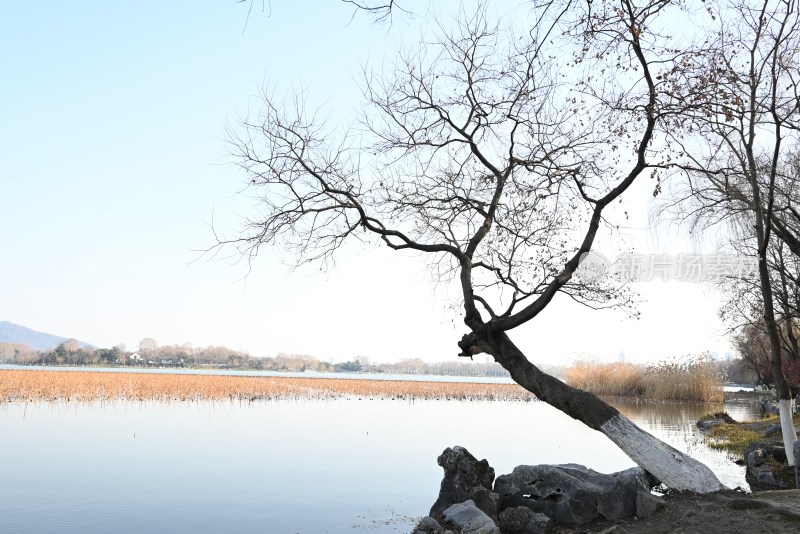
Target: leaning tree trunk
<point>672,467</point>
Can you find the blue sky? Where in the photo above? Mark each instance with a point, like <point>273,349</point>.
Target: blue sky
<point>113,164</point>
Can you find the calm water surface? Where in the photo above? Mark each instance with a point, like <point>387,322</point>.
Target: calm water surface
<point>283,466</point>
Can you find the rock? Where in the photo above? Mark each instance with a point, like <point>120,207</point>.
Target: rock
<point>769,407</point>
<point>571,493</point>
<point>486,500</point>
<point>796,451</point>
<point>761,473</point>
<point>523,520</point>
<point>427,525</point>
<point>636,477</point>
<point>465,478</point>
<point>470,519</point>
<point>647,504</point>
<point>707,422</point>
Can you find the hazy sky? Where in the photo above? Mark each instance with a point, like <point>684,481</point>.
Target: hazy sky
<point>113,165</point>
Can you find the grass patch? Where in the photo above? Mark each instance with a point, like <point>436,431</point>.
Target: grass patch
<point>733,438</point>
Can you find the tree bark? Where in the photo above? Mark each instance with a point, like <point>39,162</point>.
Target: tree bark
<point>762,228</point>
<point>781,384</point>
<point>672,467</point>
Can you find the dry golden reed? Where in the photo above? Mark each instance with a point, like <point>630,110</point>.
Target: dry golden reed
<point>616,379</point>
<point>695,380</point>
<point>88,386</point>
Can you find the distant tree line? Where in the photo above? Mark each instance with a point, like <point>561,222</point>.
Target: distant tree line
<point>10,351</point>
<point>150,354</point>
<point>751,367</point>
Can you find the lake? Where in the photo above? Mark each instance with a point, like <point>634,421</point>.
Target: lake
<point>294,466</point>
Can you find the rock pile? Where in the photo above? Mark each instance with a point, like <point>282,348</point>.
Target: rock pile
<point>764,461</point>
<point>532,497</point>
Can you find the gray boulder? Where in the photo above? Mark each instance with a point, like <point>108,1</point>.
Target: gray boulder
<point>762,474</point>
<point>469,519</point>
<point>522,520</point>
<point>465,478</point>
<point>707,422</point>
<point>647,504</point>
<point>573,494</point>
<point>769,407</point>
<point>796,451</point>
<point>427,525</point>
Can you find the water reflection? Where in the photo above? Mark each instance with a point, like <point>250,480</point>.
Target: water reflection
<point>282,466</point>
<point>671,415</point>
<point>676,425</point>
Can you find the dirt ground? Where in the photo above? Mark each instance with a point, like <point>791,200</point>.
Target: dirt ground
<point>769,512</point>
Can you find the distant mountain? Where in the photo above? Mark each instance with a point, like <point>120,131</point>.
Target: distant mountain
<point>14,333</point>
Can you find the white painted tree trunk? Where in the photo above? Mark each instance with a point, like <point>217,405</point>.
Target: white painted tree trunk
<point>787,428</point>
<point>672,467</point>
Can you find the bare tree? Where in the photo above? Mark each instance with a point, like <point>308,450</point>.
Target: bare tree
<point>738,128</point>
<point>148,347</point>
<point>743,312</point>
<point>496,156</point>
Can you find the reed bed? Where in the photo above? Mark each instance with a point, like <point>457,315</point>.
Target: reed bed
<point>611,379</point>
<point>88,386</point>
<point>694,380</point>
<point>697,379</point>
